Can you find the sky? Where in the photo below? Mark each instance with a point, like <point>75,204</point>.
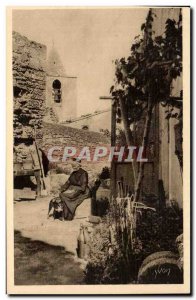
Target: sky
<point>88,42</point>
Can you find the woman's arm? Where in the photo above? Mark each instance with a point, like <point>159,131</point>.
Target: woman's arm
<point>80,189</point>
<point>65,186</point>
<point>84,181</point>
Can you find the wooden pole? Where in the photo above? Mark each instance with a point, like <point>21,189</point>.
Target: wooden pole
<point>128,133</point>
<point>113,143</point>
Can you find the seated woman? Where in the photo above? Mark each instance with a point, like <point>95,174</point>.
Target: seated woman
<point>74,191</point>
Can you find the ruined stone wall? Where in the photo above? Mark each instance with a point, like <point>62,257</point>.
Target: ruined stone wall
<point>29,80</point>
<point>63,136</point>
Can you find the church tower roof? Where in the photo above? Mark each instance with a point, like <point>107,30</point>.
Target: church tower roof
<point>54,64</point>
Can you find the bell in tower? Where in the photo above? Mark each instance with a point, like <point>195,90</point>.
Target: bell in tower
<point>61,89</point>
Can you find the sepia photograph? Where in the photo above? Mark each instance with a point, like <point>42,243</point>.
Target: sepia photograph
<point>98,159</point>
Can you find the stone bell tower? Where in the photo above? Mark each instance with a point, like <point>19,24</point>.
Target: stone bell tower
<point>61,90</point>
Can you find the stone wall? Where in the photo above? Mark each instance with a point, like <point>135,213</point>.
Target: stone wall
<point>29,96</point>
<point>29,80</point>
<point>59,135</point>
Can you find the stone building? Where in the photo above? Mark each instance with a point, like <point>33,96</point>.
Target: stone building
<point>29,85</point>
<point>61,90</point>
<point>43,98</point>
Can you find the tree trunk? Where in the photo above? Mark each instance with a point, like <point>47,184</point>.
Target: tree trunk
<point>124,115</point>
<point>144,145</point>
<point>128,133</point>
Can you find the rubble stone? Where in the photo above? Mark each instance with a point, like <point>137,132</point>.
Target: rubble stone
<point>29,80</point>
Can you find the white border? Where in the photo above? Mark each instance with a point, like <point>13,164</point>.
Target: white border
<point>3,91</point>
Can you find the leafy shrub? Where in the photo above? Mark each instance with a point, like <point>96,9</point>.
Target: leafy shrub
<point>109,262</point>
<point>106,263</point>
<point>158,231</point>
<point>105,173</point>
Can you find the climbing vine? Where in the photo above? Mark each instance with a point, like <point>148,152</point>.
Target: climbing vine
<point>145,78</point>
<point>153,63</point>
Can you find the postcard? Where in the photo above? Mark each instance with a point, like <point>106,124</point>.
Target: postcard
<point>98,150</point>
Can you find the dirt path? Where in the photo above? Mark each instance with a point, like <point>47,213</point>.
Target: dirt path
<point>37,263</point>
<point>45,250</point>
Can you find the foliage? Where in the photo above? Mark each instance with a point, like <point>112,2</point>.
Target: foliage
<point>142,80</point>
<point>106,264</point>
<point>120,137</point>
<point>153,63</point>
<point>105,132</point>
<point>158,231</point>
<point>109,262</point>
<point>105,173</point>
